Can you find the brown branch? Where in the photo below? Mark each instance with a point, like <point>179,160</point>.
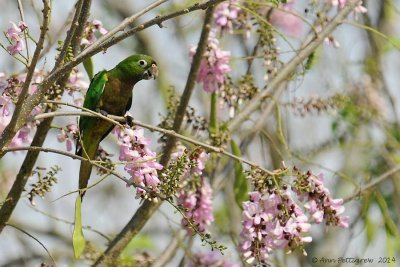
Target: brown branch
<point>64,153</point>
<point>41,133</point>
<point>70,34</point>
<point>116,119</point>
<point>187,93</point>
<point>125,23</point>
<point>80,27</point>
<point>21,108</point>
<point>23,175</point>
<point>146,210</point>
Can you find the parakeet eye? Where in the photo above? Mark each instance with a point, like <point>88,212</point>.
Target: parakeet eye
<point>142,63</point>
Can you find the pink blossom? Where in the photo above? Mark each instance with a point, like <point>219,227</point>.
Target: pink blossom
<point>225,14</point>
<point>76,82</point>
<point>13,31</point>
<point>90,30</point>
<point>9,90</point>
<point>197,161</point>
<point>68,134</point>
<point>198,205</point>
<point>14,35</point>
<point>141,160</point>
<point>340,3</point>
<point>271,221</point>
<point>319,201</point>
<point>98,25</point>
<point>200,159</point>
<point>357,10</point>
<point>214,65</point>
<point>331,41</point>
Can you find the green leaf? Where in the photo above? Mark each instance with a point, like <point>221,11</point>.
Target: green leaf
<point>241,188</point>
<point>78,240</point>
<point>390,225</point>
<point>370,226</point>
<point>88,64</point>
<point>213,124</point>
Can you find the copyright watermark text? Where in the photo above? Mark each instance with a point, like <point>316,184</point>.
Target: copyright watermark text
<point>353,260</point>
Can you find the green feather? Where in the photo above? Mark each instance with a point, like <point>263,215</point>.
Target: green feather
<point>93,95</point>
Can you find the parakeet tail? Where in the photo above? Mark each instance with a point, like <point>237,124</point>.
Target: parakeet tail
<point>86,167</point>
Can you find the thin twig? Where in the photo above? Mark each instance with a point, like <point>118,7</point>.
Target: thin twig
<point>170,251</point>
<point>64,153</point>
<point>126,22</point>
<point>116,119</point>
<point>22,107</point>
<point>34,238</point>
<point>372,184</point>
<point>32,65</point>
<point>290,67</point>
<point>21,13</point>
<point>18,121</point>
<point>89,228</point>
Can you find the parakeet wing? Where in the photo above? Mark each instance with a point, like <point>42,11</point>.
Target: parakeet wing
<point>94,93</point>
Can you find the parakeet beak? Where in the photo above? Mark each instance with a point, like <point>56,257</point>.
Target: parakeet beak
<point>151,72</point>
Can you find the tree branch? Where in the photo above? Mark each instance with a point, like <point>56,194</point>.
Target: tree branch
<point>35,99</point>
<point>291,66</point>
<point>22,109</point>
<point>147,209</point>
<point>30,159</point>
<point>70,34</point>
<point>116,119</point>
<point>64,153</point>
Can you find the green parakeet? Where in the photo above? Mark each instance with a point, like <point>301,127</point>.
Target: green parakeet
<point>110,92</point>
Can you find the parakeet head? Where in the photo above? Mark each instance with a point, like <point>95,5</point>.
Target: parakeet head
<point>138,67</point>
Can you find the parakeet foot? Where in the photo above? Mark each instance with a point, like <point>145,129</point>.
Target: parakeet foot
<point>129,120</point>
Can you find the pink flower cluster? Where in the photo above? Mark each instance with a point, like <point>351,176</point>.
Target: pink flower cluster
<point>68,134</point>
<point>14,35</point>
<point>225,14</point>
<point>198,159</point>
<point>357,10</point>
<point>210,259</point>
<point>214,65</point>
<point>141,162</point>
<point>10,88</point>
<point>90,32</point>
<point>76,83</point>
<point>198,206</point>
<point>319,202</point>
<point>272,219</point>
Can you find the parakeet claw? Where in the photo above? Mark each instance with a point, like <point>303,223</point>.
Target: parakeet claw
<point>103,112</point>
<point>129,120</point>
